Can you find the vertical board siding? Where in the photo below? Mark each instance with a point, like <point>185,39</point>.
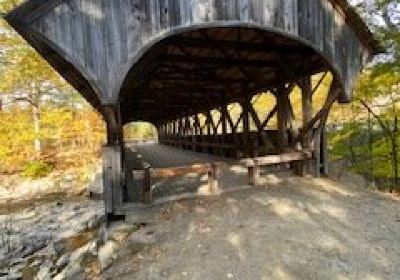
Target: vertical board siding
<point>112,177</point>
<point>103,37</point>
<point>291,16</point>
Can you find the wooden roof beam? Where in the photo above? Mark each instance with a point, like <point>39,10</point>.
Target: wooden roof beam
<point>218,61</point>
<point>236,45</point>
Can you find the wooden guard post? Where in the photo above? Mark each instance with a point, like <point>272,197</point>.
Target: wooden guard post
<point>147,192</point>
<point>213,178</point>
<point>254,173</point>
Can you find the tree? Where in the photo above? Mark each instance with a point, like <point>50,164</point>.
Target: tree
<point>25,78</point>
<point>376,96</point>
<point>28,80</point>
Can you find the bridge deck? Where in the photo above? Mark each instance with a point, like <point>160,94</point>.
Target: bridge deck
<point>161,156</point>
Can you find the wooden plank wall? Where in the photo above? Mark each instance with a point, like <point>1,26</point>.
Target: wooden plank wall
<point>103,37</point>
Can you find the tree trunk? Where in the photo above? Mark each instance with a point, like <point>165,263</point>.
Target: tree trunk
<point>394,152</point>
<point>36,124</point>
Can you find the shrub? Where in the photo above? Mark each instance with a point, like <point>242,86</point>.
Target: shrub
<point>37,169</point>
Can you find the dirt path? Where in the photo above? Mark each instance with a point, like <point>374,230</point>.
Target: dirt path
<point>294,228</point>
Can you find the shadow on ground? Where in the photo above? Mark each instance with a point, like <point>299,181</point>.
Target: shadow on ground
<point>290,228</point>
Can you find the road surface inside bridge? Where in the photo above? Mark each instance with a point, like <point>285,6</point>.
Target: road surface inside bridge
<point>161,156</point>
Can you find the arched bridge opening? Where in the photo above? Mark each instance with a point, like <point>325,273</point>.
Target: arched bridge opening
<point>140,133</point>
<point>229,92</point>
<point>189,72</point>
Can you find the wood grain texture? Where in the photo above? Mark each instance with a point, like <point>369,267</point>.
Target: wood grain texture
<point>104,39</point>
<point>277,159</point>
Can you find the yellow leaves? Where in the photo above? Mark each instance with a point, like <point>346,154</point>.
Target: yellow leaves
<point>22,67</point>
<point>8,5</point>
<point>72,138</point>
<point>139,130</point>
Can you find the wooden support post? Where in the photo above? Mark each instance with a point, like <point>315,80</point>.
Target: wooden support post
<point>246,128</point>
<point>233,131</point>
<point>181,132</point>
<point>133,186</point>
<point>108,181</point>
<point>306,90</point>
<point>321,116</point>
<point>317,153</point>
<point>213,178</point>
<point>193,130</point>
<point>173,134</point>
<point>113,167</point>
<point>282,114</point>
<point>160,132</point>
<point>184,133</point>
<point>208,127</point>
<point>203,137</point>
<point>208,123</point>
<point>298,168</point>
<point>224,129</point>
<point>164,130</point>
<point>197,130</point>
<point>147,192</point>
<point>260,130</point>
<point>177,134</point>
<point>254,174</point>
<point>214,141</point>
<point>324,151</point>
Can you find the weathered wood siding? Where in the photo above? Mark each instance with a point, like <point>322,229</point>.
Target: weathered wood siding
<point>103,38</point>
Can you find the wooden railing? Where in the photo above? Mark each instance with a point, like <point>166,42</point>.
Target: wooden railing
<point>253,164</point>
<point>230,145</point>
<point>140,141</point>
<point>146,174</point>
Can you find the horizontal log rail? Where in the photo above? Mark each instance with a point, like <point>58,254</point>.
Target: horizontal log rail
<point>202,144</point>
<point>253,165</point>
<point>141,141</point>
<point>173,171</point>
<point>277,159</point>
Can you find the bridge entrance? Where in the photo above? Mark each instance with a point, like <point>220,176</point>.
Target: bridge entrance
<point>185,65</point>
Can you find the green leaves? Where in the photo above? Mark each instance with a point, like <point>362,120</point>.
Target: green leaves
<point>37,169</point>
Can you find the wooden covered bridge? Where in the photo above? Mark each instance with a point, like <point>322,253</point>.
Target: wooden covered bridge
<point>174,62</point>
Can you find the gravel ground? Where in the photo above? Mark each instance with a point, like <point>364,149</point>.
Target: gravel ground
<point>291,228</point>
